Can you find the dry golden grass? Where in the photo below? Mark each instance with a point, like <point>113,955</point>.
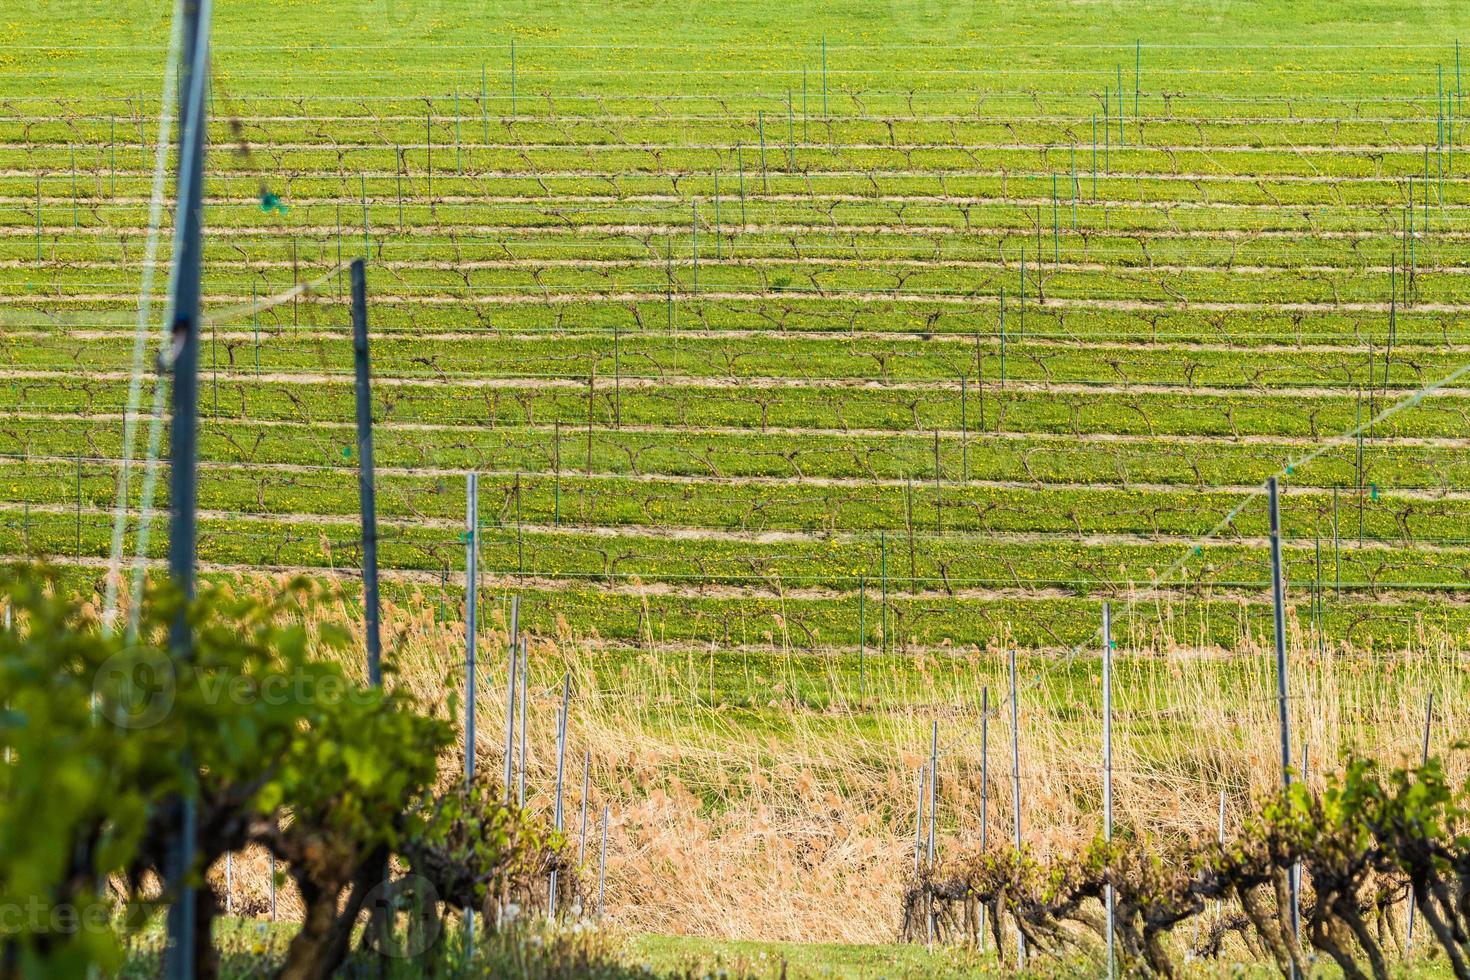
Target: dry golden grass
<point>772,803</point>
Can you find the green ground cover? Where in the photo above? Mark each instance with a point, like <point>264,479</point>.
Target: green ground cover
<point>807,302</point>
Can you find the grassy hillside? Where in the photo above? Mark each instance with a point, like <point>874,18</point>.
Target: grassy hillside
<point>812,357</point>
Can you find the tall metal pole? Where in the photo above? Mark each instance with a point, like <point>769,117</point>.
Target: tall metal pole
<point>525,713</point>
<point>1016,794</point>
<point>933,789</point>
<point>586,782</point>
<point>984,787</point>
<point>510,696</point>
<point>365,490</point>
<point>1220,903</point>
<point>1107,699</point>
<point>184,429</point>
<point>471,607</point>
<point>602,865</point>
<point>1278,600</point>
<point>919,822</point>
<point>561,758</point>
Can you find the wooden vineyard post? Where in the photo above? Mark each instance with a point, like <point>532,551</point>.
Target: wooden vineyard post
<point>1137,69</point>
<point>510,697</point>
<point>669,280</point>
<point>1359,429</point>
<point>862,638</point>
<point>586,784</point>
<point>1107,760</point>
<point>719,245</point>
<point>790,134</point>
<point>929,853</point>
<point>1056,225</point>
<point>984,789</point>
<point>1423,759</point>
<point>367,497</point>
<point>602,866</point>
<point>938,488</point>
<point>79,506</point>
<point>1016,792</point>
<point>933,790</point>
<point>1076,188</point>
<point>883,571</point>
<point>908,521</point>
<point>1336,546</point>
<point>556,471</point>
<point>471,604</point>
<point>525,673</point>
<point>512,76</point>
<point>806,119</point>
<point>1220,839</point>
<point>740,165</point>
<point>1122,136</point>
<point>824,71</point>
<point>919,821</point>
<point>1003,323</point>
<point>964,429</point>
<point>760,123</point>
<point>1022,286</point>
<point>367,245</point>
<point>1278,602</point>
<point>591,394</point>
